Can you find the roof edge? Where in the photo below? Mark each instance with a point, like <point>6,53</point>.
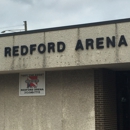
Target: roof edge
<point>67,27</point>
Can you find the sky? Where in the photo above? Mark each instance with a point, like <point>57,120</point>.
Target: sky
<point>41,14</point>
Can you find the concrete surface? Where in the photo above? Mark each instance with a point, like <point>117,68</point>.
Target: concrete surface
<point>67,105</point>
<point>70,57</point>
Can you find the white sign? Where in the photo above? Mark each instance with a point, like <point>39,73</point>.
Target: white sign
<point>31,84</point>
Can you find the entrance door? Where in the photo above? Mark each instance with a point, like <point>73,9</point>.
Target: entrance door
<point>123,100</point>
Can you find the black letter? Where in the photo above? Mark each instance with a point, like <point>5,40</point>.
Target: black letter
<point>79,45</point>
<point>32,48</point>
<point>43,48</point>
<point>109,41</point>
<point>7,51</point>
<point>60,46</point>
<point>24,50</point>
<point>15,50</point>
<point>122,41</point>
<point>89,42</point>
<point>99,42</point>
<point>51,46</point>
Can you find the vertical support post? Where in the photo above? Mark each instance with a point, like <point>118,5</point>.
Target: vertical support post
<point>25,25</point>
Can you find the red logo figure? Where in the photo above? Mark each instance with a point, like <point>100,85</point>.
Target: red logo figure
<point>32,81</point>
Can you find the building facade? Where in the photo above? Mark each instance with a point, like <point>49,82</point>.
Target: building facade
<point>86,78</point>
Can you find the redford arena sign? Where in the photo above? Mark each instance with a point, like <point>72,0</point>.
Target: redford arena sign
<point>32,84</point>
<point>61,46</point>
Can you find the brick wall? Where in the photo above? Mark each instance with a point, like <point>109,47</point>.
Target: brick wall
<point>105,100</point>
